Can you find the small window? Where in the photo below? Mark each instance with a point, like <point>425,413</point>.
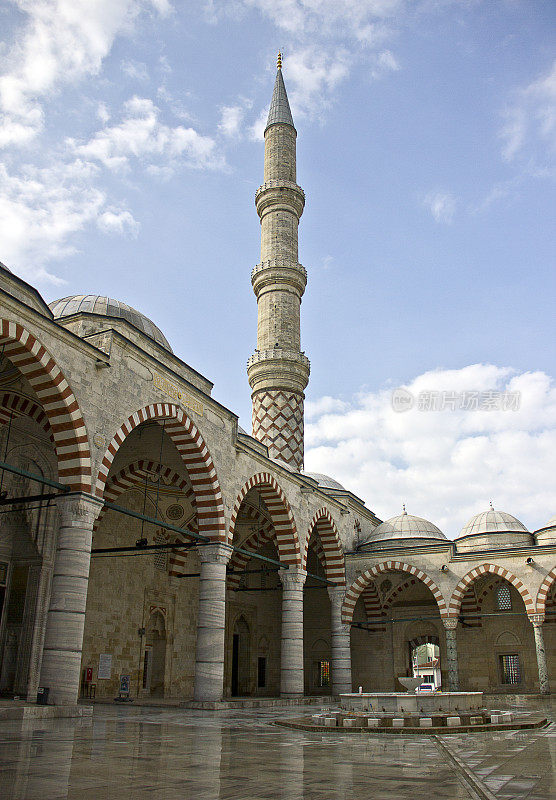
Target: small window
<point>503,598</point>
<point>323,674</point>
<point>160,556</point>
<point>261,672</point>
<point>510,669</point>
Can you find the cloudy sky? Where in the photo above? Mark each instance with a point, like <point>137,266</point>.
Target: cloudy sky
<point>130,138</point>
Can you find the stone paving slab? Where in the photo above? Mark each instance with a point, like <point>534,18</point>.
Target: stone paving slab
<point>145,753</point>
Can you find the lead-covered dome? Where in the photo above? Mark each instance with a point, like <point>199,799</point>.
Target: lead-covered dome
<point>403,530</point>
<point>324,481</point>
<point>493,529</point>
<point>108,307</point>
<point>547,533</point>
<point>492,522</point>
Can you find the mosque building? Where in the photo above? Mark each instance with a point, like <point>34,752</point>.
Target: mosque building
<point>149,546</point>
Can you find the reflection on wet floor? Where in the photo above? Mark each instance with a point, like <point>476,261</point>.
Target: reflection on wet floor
<point>173,754</point>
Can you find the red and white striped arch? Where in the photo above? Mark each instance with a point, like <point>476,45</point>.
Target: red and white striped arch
<point>133,477</point>
<point>358,586</point>
<point>17,405</point>
<point>280,513</point>
<point>373,609</point>
<point>544,591</point>
<point>484,569</point>
<point>57,400</point>
<point>195,455</point>
<point>264,533</point>
<point>400,589</point>
<point>322,527</point>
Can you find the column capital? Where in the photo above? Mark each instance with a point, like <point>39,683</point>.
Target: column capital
<point>536,619</point>
<point>450,623</point>
<point>293,578</point>
<point>215,553</point>
<point>78,510</point>
<point>336,594</point>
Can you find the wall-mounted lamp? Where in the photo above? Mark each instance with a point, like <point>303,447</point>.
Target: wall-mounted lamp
<point>529,560</point>
<point>444,568</point>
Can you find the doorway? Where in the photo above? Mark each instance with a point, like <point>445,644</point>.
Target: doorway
<point>241,673</point>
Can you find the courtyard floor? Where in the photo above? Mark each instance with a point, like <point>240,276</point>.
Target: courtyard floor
<point>135,753</point>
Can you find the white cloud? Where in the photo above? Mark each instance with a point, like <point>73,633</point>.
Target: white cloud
<point>41,211</point>
<point>143,136</point>
<point>445,465</point>
<point>58,42</point>
<point>231,119</point>
<point>135,70</point>
<point>442,205</point>
<point>531,120</point>
<point>385,62</point>
<point>313,74</point>
<point>304,17</point>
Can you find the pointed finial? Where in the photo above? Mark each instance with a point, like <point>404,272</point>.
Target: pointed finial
<point>279,60</point>
<point>403,506</point>
<point>491,506</point>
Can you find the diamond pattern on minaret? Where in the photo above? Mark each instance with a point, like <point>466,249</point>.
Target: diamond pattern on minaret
<point>278,370</point>
<point>278,421</point>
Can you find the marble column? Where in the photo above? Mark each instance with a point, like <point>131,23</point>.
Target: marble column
<point>211,619</point>
<point>291,665</point>
<point>341,645</point>
<point>450,626</point>
<point>63,642</point>
<point>536,621</point>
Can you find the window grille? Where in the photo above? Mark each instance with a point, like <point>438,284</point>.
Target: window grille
<point>323,673</point>
<point>511,671</point>
<point>160,556</point>
<point>504,598</point>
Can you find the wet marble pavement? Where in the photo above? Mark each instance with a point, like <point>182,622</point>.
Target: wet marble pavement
<point>172,754</point>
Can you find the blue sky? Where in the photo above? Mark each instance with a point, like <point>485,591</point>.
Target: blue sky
<point>131,149</point>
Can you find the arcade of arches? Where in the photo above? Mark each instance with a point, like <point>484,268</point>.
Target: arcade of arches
<point>150,546</point>
<point>256,579</point>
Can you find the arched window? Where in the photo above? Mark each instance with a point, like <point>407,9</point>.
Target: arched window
<point>503,598</point>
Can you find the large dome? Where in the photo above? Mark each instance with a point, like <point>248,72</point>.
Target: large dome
<point>324,481</point>
<point>107,307</point>
<point>405,526</point>
<point>492,522</point>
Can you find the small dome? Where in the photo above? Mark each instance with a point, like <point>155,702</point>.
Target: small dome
<point>551,522</point>
<point>324,481</point>
<point>492,522</point>
<point>405,526</point>
<point>107,307</point>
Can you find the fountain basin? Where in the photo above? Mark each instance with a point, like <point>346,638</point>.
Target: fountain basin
<point>424,704</point>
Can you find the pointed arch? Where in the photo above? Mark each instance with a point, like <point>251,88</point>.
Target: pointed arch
<point>46,378</point>
<point>195,455</point>
<point>483,569</point>
<point>352,594</point>
<point>327,533</point>
<point>252,544</point>
<point>133,477</point>
<point>544,591</point>
<point>285,530</point>
<point>373,609</point>
<point>13,404</point>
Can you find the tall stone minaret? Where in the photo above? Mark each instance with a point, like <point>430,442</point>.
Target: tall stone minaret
<point>278,370</point>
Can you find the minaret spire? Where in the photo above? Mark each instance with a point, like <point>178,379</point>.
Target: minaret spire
<point>278,370</point>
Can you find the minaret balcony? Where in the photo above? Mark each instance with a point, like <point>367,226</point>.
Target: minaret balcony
<point>277,274</point>
<point>274,195</point>
<point>278,368</point>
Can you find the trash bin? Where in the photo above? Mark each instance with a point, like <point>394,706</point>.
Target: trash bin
<point>42,696</point>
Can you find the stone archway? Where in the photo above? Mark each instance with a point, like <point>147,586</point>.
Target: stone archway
<point>60,406</point>
<point>195,455</point>
<point>322,530</point>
